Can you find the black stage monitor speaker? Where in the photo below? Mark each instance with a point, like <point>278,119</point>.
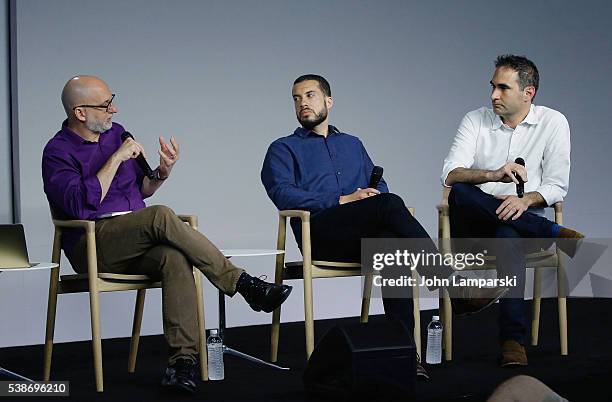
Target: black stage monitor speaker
<point>361,361</point>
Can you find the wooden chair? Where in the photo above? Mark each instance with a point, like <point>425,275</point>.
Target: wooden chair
<point>541,259</point>
<point>95,283</point>
<point>309,270</point>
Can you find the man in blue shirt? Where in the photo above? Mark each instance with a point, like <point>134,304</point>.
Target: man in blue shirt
<point>325,171</point>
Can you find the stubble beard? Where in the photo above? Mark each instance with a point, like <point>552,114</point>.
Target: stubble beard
<point>318,118</point>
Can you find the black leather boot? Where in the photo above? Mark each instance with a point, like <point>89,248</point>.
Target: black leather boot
<point>262,295</point>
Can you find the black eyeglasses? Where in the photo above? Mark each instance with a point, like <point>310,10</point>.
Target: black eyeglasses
<point>106,107</point>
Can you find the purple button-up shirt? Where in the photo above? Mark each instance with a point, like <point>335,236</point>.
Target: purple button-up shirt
<point>69,168</point>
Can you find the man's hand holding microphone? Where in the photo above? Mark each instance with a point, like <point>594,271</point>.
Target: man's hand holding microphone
<point>168,156</point>
<point>370,191</point>
<point>512,206</point>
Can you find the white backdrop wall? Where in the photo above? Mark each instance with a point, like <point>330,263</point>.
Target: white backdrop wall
<point>217,75</point>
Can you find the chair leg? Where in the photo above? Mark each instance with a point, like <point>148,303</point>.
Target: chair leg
<point>201,326</point>
<point>448,325</point>
<point>50,330</point>
<point>275,333</point>
<point>308,313</point>
<point>563,325</point>
<point>441,314</point>
<point>365,301</point>
<point>537,301</point>
<point>562,293</point>
<point>138,310</point>
<point>96,340</point>
<point>276,315</point>
<point>417,314</point>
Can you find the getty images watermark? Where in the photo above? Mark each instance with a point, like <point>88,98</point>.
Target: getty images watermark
<point>395,266</point>
<point>408,260</point>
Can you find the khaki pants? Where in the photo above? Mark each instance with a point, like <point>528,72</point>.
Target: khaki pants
<point>155,242</point>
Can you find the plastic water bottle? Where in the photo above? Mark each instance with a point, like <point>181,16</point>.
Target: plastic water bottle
<point>433,354</point>
<point>214,347</point>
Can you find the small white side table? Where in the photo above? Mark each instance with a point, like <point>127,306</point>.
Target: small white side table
<point>243,252</point>
<point>37,267</point>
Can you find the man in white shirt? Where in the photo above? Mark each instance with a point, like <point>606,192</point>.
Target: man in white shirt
<point>482,172</point>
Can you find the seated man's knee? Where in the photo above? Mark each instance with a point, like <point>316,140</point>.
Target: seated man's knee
<point>161,213</point>
<point>391,200</point>
<point>161,210</point>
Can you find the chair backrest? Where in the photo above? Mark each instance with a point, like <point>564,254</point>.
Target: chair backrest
<point>56,213</point>
<point>56,248</point>
<point>61,221</point>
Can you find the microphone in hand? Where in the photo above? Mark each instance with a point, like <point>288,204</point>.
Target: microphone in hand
<point>520,187</point>
<point>140,159</point>
<point>375,177</point>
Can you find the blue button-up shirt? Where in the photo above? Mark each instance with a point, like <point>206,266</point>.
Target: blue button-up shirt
<point>308,171</point>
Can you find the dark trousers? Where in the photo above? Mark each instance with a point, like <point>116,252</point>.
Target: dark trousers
<point>472,214</point>
<point>336,235</point>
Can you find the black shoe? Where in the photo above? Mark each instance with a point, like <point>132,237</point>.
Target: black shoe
<point>421,373</point>
<point>262,295</point>
<point>181,376</point>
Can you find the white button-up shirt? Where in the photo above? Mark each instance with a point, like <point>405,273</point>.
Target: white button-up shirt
<point>542,139</point>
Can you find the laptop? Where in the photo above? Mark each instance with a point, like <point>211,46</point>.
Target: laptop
<point>13,249</point>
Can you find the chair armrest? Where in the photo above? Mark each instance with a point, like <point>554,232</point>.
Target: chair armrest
<point>558,207</point>
<point>304,216</point>
<point>295,213</point>
<point>75,223</point>
<point>90,234</point>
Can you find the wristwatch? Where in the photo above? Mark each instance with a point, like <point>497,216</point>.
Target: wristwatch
<point>158,176</point>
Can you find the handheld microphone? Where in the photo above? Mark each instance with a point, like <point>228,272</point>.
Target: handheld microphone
<point>140,159</point>
<point>375,177</point>
<point>520,187</point>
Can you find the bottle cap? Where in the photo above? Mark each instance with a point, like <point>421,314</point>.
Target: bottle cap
<point>436,318</point>
<point>214,332</point>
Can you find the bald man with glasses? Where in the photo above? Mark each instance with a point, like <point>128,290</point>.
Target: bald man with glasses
<point>89,172</point>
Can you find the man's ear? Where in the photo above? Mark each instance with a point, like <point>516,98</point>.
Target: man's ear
<point>528,93</point>
<point>329,101</point>
<point>79,114</point>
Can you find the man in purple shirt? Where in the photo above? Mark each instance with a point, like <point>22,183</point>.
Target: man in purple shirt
<point>88,171</point>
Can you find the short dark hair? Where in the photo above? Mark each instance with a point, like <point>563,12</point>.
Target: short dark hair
<point>526,69</point>
<point>323,84</point>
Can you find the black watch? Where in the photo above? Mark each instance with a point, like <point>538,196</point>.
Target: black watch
<point>158,177</point>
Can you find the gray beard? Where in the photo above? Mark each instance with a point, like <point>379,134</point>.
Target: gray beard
<point>98,126</point>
